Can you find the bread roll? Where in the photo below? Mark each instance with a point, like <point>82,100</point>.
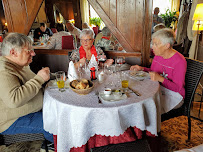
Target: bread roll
<point>85,81</point>
<point>74,83</point>
<point>80,85</point>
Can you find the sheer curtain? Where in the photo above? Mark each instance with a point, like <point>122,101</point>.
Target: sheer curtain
<point>175,5</point>
<point>84,7</point>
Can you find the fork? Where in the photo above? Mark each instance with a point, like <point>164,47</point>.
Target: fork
<point>97,94</point>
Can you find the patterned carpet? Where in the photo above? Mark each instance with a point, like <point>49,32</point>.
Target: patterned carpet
<point>174,133</point>
<point>173,137</point>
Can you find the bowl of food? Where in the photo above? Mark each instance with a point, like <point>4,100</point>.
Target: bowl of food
<point>82,86</point>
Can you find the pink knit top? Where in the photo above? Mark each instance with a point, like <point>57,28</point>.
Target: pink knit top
<point>173,70</point>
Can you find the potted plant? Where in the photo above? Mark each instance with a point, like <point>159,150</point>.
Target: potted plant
<point>95,21</point>
<point>169,17</point>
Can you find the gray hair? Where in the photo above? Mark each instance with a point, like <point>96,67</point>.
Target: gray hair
<point>165,35</point>
<point>15,41</point>
<point>86,32</point>
<point>106,31</point>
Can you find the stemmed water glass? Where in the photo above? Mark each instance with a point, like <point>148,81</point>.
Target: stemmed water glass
<point>119,62</point>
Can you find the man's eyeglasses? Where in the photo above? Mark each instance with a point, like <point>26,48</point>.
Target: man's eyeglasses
<point>85,40</point>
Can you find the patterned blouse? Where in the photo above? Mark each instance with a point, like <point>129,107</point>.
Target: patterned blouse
<point>106,44</point>
<point>56,40</point>
<point>75,55</point>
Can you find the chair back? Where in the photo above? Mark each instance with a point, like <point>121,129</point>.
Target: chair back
<point>68,42</point>
<point>192,78</point>
<point>96,30</point>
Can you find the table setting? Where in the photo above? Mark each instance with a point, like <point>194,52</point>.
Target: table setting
<point>105,107</point>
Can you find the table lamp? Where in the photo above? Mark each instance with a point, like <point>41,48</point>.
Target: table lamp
<point>198,24</point>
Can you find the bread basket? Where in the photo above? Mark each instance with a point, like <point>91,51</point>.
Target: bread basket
<point>83,91</point>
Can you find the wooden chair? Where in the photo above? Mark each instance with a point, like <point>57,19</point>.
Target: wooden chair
<point>192,78</point>
<point>68,42</point>
<point>11,139</point>
<point>96,30</point>
<point>136,146</point>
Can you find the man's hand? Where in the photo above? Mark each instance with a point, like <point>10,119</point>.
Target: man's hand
<point>156,77</point>
<point>44,73</point>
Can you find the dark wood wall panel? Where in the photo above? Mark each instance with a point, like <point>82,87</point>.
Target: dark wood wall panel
<point>113,11</point>
<point>105,5</point>
<point>20,14</point>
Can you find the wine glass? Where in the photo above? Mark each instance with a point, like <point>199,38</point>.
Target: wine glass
<point>102,60</point>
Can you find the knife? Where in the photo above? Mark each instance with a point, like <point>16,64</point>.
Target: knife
<point>138,94</point>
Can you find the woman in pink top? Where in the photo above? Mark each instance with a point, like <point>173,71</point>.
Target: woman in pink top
<point>168,66</point>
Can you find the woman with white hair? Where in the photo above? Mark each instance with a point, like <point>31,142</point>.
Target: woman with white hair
<point>87,49</point>
<point>168,68</point>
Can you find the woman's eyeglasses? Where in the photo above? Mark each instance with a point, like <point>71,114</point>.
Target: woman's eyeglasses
<point>85,40</point>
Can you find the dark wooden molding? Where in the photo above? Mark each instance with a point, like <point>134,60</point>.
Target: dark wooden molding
<point>52,52</point>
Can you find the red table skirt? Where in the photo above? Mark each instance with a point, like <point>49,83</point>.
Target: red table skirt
<point>131,134</point>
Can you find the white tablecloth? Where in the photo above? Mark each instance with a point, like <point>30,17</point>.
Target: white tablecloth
<point>75,118</point>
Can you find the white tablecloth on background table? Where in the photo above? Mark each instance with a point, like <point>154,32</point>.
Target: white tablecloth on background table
<point>75,118</point>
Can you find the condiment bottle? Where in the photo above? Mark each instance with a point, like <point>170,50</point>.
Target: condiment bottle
<point>93,73</point>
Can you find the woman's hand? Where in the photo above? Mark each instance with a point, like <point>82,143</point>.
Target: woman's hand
<point>137,67</point>
<point>156,77</point>
<point>82,62</point>
<point>109,62</point>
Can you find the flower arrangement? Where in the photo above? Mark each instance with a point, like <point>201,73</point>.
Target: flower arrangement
<point>95,21</point>
<point>170,17</point>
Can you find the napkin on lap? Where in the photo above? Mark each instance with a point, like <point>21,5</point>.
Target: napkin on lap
<point>93,63</point>
<point>72,73</point>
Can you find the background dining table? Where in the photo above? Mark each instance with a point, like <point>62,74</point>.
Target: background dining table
<point>75,118</point>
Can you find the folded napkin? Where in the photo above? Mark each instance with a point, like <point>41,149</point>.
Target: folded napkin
<point>93,63</point>
<point>72,73</point>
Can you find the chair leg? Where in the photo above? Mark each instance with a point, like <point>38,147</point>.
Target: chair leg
<point>46,147</point>
<point>189,128</point>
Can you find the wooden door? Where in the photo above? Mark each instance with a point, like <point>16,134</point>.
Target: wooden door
<point>130,21</point>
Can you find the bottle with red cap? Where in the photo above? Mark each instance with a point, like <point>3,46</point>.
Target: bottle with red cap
<point>93,73</point>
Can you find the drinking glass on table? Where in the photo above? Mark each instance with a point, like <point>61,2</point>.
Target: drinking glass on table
<point>119,62</point>
<point>60,79</point>
<point>124,80</point>
<point>102,60</point>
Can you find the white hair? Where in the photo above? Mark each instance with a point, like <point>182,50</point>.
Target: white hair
<point>86,32</point>
<point>106,31</point>
<point>15,41</point>
<point>165,35</point>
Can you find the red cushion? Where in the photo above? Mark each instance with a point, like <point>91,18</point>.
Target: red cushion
<point>68,42</point>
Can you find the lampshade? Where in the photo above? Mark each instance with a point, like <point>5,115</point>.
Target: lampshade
<point>195,26</point>
<point>198,14</point>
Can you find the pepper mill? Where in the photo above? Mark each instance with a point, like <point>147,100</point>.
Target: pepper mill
<point>93,73</point>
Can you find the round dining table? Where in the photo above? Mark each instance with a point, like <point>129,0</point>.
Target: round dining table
<point>77,119</point>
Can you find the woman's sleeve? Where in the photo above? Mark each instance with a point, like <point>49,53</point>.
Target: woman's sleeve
<point>99,51</point>
<point>178,80</point>
<point>74,56</point>
<point>52,43</point>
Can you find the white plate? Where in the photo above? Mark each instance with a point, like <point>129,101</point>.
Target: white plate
<point>111,98</point>
<point>139,75</point>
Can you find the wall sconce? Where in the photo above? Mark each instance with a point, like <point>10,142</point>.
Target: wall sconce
<point>5,24</point>
<point>198,25</point>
